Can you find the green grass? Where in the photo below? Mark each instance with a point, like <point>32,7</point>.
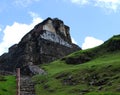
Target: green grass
<point>81,79</point>
<point>7,85</point>
<point>103,93</point>
<point>97,74</point>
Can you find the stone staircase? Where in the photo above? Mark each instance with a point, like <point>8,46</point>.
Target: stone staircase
<point>26,86</point>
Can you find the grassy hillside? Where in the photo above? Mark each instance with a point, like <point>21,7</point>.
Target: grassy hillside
<point>94,71</point>
<point>7,85</point>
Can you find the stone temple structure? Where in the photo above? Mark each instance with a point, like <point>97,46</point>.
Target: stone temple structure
<point>46,42</point>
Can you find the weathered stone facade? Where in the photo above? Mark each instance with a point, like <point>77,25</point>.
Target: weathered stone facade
<point>48,41</point>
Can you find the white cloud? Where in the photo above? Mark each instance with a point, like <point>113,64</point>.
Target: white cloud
<point>91,42</point>
<point>81,2</point>
<point>73,40</point>
<point>0,29</point>
<point>24,3</point>
<point>34,15</point>
<point>111,5</point>
<point>14,33</point>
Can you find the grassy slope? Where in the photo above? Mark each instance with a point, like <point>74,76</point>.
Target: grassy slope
<point>7,85</point>
<point>99,76</point>
<point>63,79</point>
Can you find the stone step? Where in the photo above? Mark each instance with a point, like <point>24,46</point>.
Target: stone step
<point>26,93</point>
<point>28,90</point>
<point>26,86</point>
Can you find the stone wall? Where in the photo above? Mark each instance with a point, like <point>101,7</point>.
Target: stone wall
<point>39,46</point>
<point>49,26</point>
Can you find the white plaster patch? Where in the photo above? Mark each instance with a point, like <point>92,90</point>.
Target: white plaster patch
<point>48,26</point>
<point>54,38</point>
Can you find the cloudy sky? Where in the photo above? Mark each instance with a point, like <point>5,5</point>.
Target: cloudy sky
<point>91,21</point>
